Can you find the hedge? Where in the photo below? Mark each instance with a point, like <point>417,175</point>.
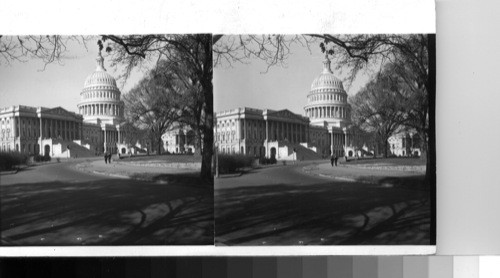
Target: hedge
<point>10,159</point>
<point>231,163</point>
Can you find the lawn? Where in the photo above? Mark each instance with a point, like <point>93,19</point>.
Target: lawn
<point>396,161</point>
<point>165,158</point>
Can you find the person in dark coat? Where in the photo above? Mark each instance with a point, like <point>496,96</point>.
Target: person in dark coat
<point>109,157</point>
<point>336,159</point>
<point>332,160</point>
<point>106,157</point>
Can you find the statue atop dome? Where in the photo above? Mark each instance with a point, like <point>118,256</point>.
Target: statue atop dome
<point>100,59</point>
<point>326,65</point>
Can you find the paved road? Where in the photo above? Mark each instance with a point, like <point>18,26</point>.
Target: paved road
<point>56,204</point>
<point>285,205</point>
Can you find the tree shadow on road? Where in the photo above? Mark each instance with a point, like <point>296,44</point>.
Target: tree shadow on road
<point>339,213</point>
<point>106,212</point>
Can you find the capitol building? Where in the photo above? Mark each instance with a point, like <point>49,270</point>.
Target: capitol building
<point>95,129</point>
<point>323,130</point>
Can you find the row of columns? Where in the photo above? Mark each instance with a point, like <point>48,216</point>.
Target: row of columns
<point>327,112</point>
<point>111,137</point>
<point>101,95</point>
<point>101,109</point>
<point>293,132</point>
<point>338,140</point>
<point>49,128</point>
<point>52,128</point>
<point>276,130</point>
<point>327,97</point>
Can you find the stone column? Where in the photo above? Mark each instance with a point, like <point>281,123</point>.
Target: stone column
<point>332,143</point>
<point>245,123</point>
<point>346,142</point>
<point>267,132</point>
<point>79,127</point>
<point>105,141</point>
<point>41,126</point>
<point>14,129</point>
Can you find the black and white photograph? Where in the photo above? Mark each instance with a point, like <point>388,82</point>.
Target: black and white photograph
<point>106,140</point>
<point>324,139</point>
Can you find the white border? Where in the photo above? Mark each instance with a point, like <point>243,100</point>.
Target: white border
<point>138,251</point>
<point>217,16</point>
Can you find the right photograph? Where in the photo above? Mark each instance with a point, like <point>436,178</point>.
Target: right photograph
<point>324,139</point>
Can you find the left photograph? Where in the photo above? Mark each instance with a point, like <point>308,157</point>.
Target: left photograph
<point>106,140</point>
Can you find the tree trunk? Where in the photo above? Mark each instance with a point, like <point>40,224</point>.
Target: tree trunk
<point>159,145</point>
<point>386,147</point>
<point>206,158</point>
<point>198,140</point>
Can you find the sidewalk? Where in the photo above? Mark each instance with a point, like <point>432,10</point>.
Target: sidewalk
<point>128,170</point>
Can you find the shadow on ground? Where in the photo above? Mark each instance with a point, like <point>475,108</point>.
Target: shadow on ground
<point>107,212</point>
<point>326,213</point>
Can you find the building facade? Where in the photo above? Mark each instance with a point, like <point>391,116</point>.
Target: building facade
<point>26,128</point>
<point>405,144</point>
<point>60,133</point>
<point>283,134</point>
<point>179,141</point>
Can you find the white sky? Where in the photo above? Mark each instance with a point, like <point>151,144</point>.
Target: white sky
<point>59,84</point>
<point>248,85</point>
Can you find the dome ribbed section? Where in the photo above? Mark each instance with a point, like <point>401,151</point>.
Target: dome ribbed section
<point>100,78</point>
<point>326,80</point>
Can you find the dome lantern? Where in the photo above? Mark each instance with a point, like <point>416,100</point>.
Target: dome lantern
<point>326,65</point>
<point>100,62</point>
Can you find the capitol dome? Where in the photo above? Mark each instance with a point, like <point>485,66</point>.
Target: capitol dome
<point>326,80</point>
<point>327,100</point>
<point>100,77</point>
<point>100,97</point>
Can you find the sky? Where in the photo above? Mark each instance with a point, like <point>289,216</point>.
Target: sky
<point>59,84</point>
<point>238,85</point>
<point>282,87</point>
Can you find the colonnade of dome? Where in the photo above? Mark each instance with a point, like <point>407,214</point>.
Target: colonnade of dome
<point>102,109</point>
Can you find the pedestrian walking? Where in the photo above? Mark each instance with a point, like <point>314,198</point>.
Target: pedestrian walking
<point>106,157</point>
<point>109,158</point>
<point>336,159</point>
<point>332,160</point>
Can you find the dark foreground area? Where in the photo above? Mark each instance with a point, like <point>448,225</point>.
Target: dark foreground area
<point>58,205</point>
<point>283,206</point>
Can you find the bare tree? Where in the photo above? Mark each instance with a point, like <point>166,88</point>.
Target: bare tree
<point>273,49</point>
<point>380,108</point>
<point>49,49</point>
<point>194,52</point>
<point>191,102</point>
<point>152,105</point>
